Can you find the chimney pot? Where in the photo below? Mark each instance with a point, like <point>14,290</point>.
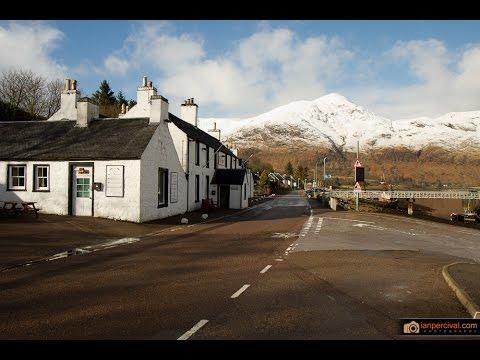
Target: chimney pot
<point>123,111</point>
<point>149,83</point>
<point>73,85</point>
<point>144,83</point>
<point>67,84</point>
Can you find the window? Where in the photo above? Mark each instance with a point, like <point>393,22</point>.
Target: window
<point>83,187</point>
<point>197,188</point>
<point>162,187</point>
<point>207,163</point>
<point>197,153</point>
<point>41,174</point>
<point>17,178</point>
<point>207,179</point>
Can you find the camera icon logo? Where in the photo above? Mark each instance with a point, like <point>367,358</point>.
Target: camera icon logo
<point>411,328</point>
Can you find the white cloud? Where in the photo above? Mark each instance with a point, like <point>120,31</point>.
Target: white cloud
<point>266,69</point>
<point>29,45</point>
<point>116,65</point>
<point>443,81</point>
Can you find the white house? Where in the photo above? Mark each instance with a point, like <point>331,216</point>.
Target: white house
<point>145,165</point>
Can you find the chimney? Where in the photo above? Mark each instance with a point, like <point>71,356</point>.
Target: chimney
<point>189,112</point>
<point>68,102</point>
<point>158,109</point>
<point>87,110</point>
<point>214,132</point>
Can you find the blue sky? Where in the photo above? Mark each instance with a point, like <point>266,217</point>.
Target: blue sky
<point>399,69</point>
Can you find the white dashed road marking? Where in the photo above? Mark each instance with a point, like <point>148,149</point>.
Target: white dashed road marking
<point>265,269</point>
<point>193,330</point>
<point>239,291</point>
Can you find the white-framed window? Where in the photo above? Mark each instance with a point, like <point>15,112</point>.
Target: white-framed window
<point>17,177</point>
<point>41,178</point>
<point>162,187</point>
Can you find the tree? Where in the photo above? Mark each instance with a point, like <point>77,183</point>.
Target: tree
<point>23,90</point>
<point>121,99</point>
<point>263,181</point>
<point>104,95</point>
<point>131,103</point>
<point>289,169</point>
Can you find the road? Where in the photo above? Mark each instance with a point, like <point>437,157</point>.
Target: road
<point>280,270</point>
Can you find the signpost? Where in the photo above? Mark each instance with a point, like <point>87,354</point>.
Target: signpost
<point>357,190</point>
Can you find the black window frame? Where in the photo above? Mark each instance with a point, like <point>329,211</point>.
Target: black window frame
<point>231,160</point>
<point>207,164</point>
<point>35,176</point>
<point>9,166</point>
<point>244,191</point>
<point>207,180</point>
<point>197,188</point>
<point>197,153</point>
<point>165,186</point>
<point>215,160</point>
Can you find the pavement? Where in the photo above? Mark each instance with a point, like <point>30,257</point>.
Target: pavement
<point>464,280</point>
<point>279,270</point>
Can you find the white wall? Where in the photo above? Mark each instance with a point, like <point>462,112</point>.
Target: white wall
<point>53,202</point>
<point>118,208</point>
<point>56,201</point>
<point>160,152</point>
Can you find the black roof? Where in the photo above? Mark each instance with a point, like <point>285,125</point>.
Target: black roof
<point>61,140</point>
<point>229,176</point>
<point>197,134</point>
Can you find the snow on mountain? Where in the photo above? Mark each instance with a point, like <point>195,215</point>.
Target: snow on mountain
<point>334,121</point>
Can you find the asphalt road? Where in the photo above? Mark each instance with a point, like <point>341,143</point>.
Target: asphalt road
<point>275,271</point>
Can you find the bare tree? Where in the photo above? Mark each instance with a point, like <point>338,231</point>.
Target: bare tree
<point>25,90</point>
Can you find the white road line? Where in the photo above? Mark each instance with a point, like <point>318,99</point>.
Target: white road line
<point>265,269</point>
<point>193,330</point>
<point>361,221</point>
<point>239,291</point>
<point>278,259</point>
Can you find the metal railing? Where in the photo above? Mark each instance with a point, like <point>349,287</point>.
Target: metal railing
<point>397,194</point>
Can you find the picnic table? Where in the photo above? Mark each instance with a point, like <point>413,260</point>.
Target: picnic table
<point>11,208</point>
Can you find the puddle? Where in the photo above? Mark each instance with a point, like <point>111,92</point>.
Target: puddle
<point>79,251</point>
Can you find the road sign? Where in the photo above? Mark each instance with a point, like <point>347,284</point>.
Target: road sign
<point>357,188</point>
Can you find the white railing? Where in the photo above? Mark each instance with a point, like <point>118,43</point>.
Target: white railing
<point>396,194</point>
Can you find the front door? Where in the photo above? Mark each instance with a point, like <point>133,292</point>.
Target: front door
<point>224,196</point>
<point>82,190</point>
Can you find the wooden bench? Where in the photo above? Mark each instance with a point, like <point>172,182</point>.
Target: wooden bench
<point>10,208</point>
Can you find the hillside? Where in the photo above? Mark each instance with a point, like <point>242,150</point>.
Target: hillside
<point>416,151</point>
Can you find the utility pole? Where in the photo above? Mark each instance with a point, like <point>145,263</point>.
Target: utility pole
<point>324,174</point>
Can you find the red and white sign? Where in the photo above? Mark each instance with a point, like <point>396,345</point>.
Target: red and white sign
<point>358,164</point>
<point>357,188</point>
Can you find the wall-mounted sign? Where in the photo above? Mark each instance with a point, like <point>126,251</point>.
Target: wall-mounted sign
<point>83,171</point>
<point>114,181</point>
<point>174,187</point>
<point>222,159</point>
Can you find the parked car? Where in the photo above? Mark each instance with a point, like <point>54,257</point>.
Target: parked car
<point>470,217</point>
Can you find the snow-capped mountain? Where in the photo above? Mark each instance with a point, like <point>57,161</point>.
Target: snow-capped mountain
<point>334,121</point>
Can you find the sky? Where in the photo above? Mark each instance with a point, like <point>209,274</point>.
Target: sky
<point>397,69</point>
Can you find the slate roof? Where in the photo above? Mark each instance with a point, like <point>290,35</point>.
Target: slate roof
<point>197,134</point>
<point>229,176</point>
<point>62,140</point>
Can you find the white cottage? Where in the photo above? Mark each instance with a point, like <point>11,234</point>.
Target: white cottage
<point>147,164</point>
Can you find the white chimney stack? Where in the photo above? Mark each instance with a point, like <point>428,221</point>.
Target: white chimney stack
<point>158,109</point>
<point>144,94</point>
<point>68,102</point>
<point>189,112</point>
<point>214,132</point>
<point>87,110</point>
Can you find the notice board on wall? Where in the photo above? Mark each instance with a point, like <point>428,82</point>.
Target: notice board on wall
<point>174,187</point>
<point>114,184</point>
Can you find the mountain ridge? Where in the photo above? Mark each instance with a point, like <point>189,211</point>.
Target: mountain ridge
<point>334,121</point>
